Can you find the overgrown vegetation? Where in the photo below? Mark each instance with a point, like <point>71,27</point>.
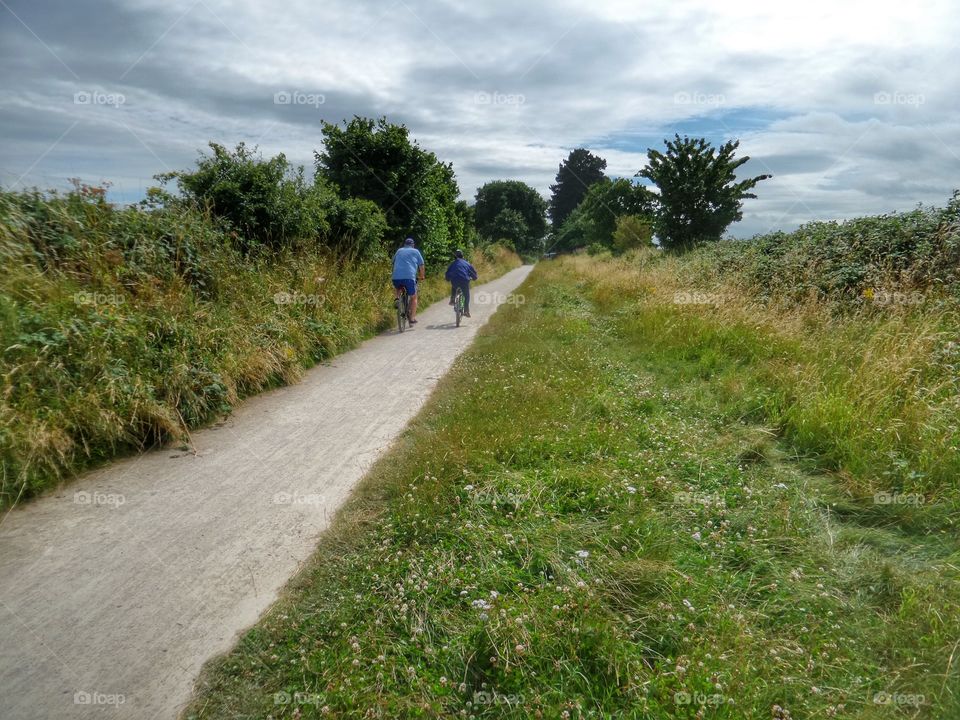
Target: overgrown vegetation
<point>124,327</point>
<point>622,503</point>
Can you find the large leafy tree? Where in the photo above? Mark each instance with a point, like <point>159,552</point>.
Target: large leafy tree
<point>699,193</point>
<point>376,160</point>
<point>511,209</point>
<point>594,220</point>
<point>577,173</point>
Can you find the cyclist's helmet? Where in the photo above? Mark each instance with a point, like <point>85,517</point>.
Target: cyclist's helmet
<point>458,253</point>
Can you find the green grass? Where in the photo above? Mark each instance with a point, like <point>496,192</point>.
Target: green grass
<point>122,328</point>
<point>583,522</point>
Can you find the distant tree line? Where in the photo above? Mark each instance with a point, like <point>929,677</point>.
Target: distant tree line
<point>697,198</point>
<point>372,186</point>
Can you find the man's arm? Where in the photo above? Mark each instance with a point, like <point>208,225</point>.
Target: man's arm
<point>422,265</point>
<point>473,271</point>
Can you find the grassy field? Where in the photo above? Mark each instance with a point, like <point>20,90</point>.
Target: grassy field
<point>122,328</point>
<point>621,503</point>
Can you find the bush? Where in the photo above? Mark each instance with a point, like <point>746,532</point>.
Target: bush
<point>267,202</point>
<point>632,232</point>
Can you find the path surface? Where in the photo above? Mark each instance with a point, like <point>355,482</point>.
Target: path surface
<point>125,583</point>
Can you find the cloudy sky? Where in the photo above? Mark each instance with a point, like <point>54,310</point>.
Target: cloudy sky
<point>851,105</point>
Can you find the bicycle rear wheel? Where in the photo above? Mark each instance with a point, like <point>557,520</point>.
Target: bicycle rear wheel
<point>402,311</point>
<point>458,305</point>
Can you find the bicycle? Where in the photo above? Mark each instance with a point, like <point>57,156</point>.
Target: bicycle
<point>403,307</point>
<point>458,303</point>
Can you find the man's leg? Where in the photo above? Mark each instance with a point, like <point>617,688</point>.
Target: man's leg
<point>413,307</point>
<point>466,298</point>
<point>453,291</point>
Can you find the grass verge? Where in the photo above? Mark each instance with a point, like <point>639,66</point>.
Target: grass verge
<point>121,328</point>
<point>582,523</point>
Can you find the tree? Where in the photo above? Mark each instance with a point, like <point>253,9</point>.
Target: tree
<point>577,173</point>
<point>264,200</point>
<point>632,231</point>
<point>510,225</point>
<point>376,160</point>
<point>699,195</point>
<point>499,196</point>
<point>606,202</point>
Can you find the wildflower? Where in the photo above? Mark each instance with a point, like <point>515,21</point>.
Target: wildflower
<point>583,554</point>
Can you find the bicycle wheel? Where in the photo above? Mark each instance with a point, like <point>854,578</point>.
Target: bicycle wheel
<point>458,305</point>
<point>402,311</point>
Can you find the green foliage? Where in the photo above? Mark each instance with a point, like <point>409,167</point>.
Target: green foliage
<point>511,209</point>
<point>264,200</point>
<point>122,327</point>
<point>699,195</point>
<point>377,161</point>
<point>632,232</point>
<point>845,261</point>
<point>595,218</point>
<point>577,173</point>
<point>614,539</point>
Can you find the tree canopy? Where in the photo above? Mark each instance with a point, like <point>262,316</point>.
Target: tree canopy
<point>699,193</point>
<point>512,210</point>
<point>577,173</point>
<point>376,160</point>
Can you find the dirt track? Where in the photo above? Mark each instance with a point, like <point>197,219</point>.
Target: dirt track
<point>122,585</point>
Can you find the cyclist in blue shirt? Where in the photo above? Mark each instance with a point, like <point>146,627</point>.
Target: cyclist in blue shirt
<point>407,267</point>
<point>460,273</point>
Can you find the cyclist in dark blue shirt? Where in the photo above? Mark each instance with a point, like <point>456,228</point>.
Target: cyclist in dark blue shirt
<point>460,273</point>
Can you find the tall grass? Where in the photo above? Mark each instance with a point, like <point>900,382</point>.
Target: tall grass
<point>123,328</point>
<point>870,389</point>
<point>582,524</point>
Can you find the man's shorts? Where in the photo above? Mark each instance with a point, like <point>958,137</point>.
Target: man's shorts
<point>410,285</point>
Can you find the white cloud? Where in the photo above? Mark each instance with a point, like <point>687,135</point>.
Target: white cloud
<point>855,99</point>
